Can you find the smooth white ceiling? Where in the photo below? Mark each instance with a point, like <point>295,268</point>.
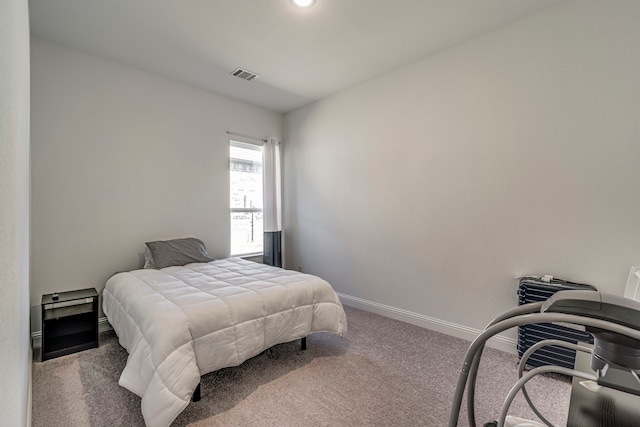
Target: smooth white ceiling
<point>301,55</point>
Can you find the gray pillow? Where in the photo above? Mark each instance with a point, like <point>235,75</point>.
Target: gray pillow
<point>148,258</point>
<point>169,253</point>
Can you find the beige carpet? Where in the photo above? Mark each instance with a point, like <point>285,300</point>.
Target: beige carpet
<point>384,373</point>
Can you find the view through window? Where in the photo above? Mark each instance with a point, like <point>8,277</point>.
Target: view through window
<point>246,198</point>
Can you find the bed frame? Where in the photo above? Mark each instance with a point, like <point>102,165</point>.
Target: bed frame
<point>197,392</point>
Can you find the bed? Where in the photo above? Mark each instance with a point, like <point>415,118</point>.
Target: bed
<point>180,322</point>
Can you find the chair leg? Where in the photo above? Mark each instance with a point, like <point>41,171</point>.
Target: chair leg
<point>303,343</point>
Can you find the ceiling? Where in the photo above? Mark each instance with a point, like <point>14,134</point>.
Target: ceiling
<point>301,55</point>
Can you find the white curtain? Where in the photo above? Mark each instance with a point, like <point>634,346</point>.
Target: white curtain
<point>272,203</point>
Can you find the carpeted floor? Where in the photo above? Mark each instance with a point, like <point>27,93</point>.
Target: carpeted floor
<point>384,373</point>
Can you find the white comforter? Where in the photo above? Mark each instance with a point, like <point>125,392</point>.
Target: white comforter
<point>179,323</point>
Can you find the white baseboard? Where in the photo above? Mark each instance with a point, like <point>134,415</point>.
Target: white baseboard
<point>498,342</point>
<point>30,389</point>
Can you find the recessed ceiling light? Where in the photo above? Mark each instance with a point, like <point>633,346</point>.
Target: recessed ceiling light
<point>303,3</point>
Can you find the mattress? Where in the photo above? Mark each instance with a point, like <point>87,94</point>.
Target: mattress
<point>179,323</point>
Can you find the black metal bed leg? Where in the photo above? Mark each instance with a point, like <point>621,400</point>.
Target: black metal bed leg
<point>303,343</point>
<point>196,394</point>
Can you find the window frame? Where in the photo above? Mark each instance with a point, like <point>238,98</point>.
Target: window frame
<point>232,210</point>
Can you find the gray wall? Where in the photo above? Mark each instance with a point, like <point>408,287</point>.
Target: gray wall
<point>120,157</point>
<point>428,189</point>
<point>15,354</point>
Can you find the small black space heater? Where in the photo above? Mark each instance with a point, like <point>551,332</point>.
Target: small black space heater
<point>534,289</point>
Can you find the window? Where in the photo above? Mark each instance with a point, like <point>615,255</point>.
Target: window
<point>246,198</point>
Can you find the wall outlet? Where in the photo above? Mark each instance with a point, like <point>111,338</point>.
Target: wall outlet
<point>300,268</point>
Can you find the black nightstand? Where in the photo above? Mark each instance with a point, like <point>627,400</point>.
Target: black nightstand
<point>69,322</point>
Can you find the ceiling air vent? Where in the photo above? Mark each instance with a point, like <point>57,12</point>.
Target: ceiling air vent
<point>244,74</point>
